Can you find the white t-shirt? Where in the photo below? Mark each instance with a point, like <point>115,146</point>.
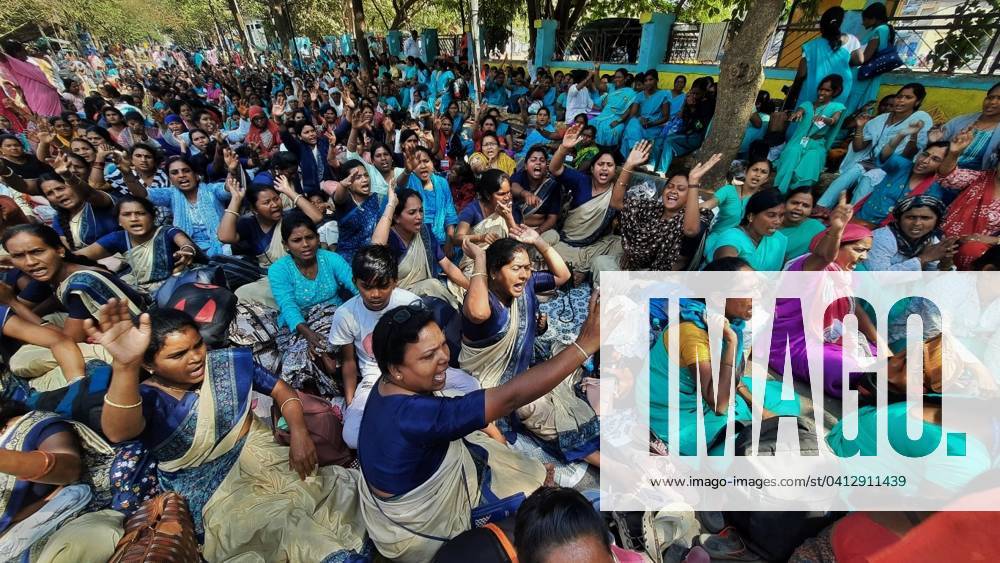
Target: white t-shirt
<point>577,101</point>
<point>353,323</point>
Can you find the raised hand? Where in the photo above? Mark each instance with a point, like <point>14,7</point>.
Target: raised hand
<point>915,127</point>
<point>862,119</point>
<point>590,333</point>
<point>471,249</point>
<point>235,188</point>
<point>44,137</point>
<point>702,168</point>
<point>283,186</point>
<point>525,234</point>
<point>115,330</point>
<point>572,136</point>
<point>393,199</point>
<point>123,162</point>
<point>638,155</point>
<point>61,164</point>
<point>962,140</point>
<point>842,214</point>
<point>232,161</point>
<point>935,134</point>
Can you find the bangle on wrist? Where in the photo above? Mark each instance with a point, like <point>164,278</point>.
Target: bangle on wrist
<point>581,350</point>
<point>233,213</point>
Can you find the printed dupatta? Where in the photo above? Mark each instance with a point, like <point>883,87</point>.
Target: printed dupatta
<point>94,289</point>
<point>357,226</point>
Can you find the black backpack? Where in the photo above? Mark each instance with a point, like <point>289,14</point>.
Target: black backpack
<point>212,307</point>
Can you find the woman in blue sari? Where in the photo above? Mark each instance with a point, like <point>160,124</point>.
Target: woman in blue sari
<point>499,324</point>
<point>542,133</point>
<point>196,207</point>
<point>83,214</point>
<point>610,123</point>
<point>756,240</point>
<point>650,110</point>
<point>250,498</point>
<point>63,490</point>
<point>986,130</point>
<point>357,209</point>
<point>694,371</point>
<point>804,156</point>
<point>420,452</point>
<point>153,254</point>
<point>822,57</point>
<point>77,284</point>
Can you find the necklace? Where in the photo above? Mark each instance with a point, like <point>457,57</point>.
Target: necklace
<point>166,384</point>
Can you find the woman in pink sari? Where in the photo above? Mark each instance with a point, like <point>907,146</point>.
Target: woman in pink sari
<point>834,251</point>
<point>41,97</point>
<point>974,216</point>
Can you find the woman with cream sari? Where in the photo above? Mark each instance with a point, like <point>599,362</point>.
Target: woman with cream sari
<point>586,231</point>
<point>421,259</point>
<point>255,233</point>
<point>250,498</point>
<point>420,452</point>
<point>58,500</point>
<point>499,325</point>
<point>76,284</point>
<point>488,217</point>
<point>152,253</point>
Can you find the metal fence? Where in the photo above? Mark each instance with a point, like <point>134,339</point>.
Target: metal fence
<point>925,44</point>
<point>606,46</point>
<point>450,45</point>
<point>696,43</point>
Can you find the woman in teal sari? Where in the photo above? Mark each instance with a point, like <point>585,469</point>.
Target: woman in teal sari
<point>878,36</point>
<point>756,239</point>
<point>610,123</point>
<point>650,110</point>
<point>250,498</point>
<point>694,370</point>
<point>822,57</point>
<point>804,156</point>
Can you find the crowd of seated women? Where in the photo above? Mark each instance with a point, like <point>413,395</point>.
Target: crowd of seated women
<point>388,243</point>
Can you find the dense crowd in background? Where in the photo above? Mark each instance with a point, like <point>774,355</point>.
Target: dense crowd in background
<point>351,315</point>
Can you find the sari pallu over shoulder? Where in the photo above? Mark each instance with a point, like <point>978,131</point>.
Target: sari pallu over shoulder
<point>204,446</point>
<point>587,223</point>
<point>410,528</point>
<point>95,288</point>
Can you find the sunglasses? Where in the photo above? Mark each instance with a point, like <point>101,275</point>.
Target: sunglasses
<point>403,314</point>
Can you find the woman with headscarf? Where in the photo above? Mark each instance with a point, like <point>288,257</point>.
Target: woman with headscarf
<point>264,134</point>
<point>912,241</point>
<point>835,251</point>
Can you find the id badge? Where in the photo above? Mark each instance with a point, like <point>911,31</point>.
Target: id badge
<point>805,142</point>
<point>819,123</point>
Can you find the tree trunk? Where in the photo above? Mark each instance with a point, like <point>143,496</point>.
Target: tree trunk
<point>360,41</point>
<point>248,48</point>
<point>281,28</point>
<point>740,77</point>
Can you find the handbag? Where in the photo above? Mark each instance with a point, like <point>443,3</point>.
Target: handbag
<point>325,429</point>
<point>884,60</point>
<point>161,531</point>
